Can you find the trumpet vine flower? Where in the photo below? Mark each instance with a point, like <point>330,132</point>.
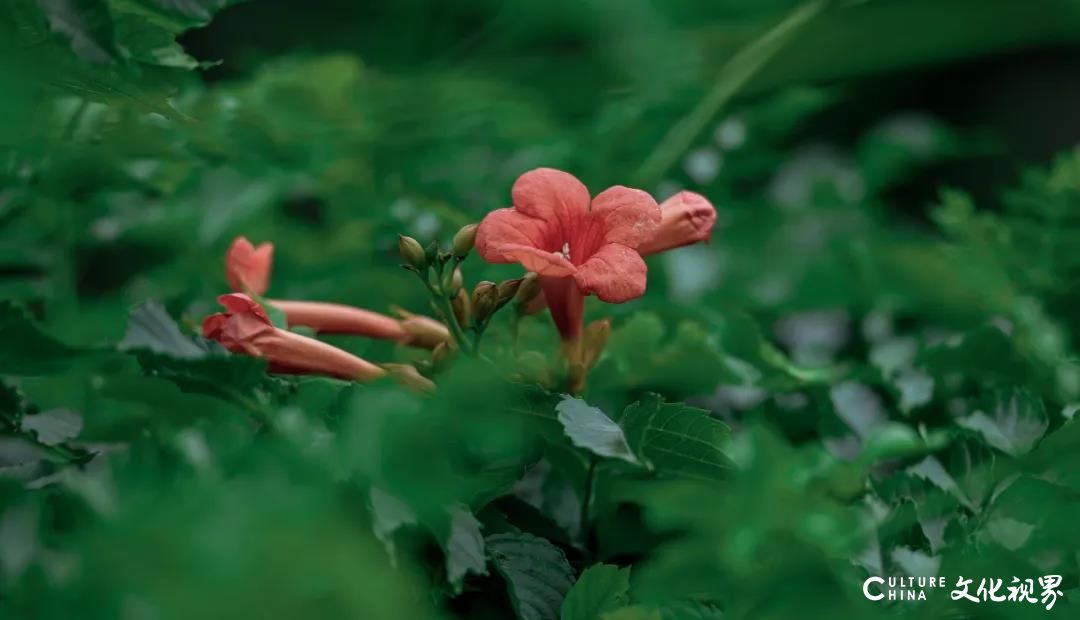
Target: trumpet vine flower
<point>248,267</point>
<point>578,245</point>
<point>686,218</point>
<point>244,328</point>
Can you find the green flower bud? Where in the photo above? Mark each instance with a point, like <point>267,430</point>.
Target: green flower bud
<point>411,252</point>
<point>507,289</point>
<point>529,288</point>
<point>464,240</point>
<point>485,300</point>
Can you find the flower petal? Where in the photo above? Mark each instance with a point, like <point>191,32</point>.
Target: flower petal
<point>615,273</point>
<point>247,267</point>
<point>239,303</point>
<point>553,196</point>
<point>543,263</point>
<point>624,215</point>
<point>503,227</point>
<point>242,332</point>
<point>687,218</point>
<point>213,325</point>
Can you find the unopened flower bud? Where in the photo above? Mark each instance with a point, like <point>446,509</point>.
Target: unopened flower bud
<point>485,299</point>
<point>594,339</point>
<point>440,354</point>
<point>508,289</point>
<point>424,331</point>
<point>462,306</point>
<point>410,377</point>
<point>464,240</point>
<point>575,378</point>
<point>528,290</point>
<point>411,252</point>
<point>457,281</point>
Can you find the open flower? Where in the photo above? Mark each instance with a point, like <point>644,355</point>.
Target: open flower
<point>245,328</point>
<point>687,218</point>
<point>578,246</point>
<point>247,267</point>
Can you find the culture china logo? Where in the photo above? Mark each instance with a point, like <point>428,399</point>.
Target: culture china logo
<point>1043,591</point>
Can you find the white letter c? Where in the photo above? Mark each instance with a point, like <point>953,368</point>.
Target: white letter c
<point>866,588</point>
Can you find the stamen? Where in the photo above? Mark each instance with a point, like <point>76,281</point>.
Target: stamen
<point>566,249</point>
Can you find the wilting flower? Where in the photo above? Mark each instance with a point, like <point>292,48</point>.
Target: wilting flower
<point>687,218</point>
<point>247,267</point>
<point>578,246</point>
<point>245,328</point>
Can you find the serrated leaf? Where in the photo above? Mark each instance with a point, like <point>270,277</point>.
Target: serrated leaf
<point>591,429</point>
<point>931,470</point>
<point>1013,422</point>
<point>535,571</point>
<point>600,588</point>
<point>635,422</point>
<point>151,328</point>
<point>464,548</point>
<point>685,441</point>
<point>236,378</point>
<point>26,350</point>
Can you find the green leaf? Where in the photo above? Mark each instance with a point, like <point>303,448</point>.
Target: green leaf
<point>931,470</point>
<point>600,589</point>
<point>894,440</point>
<point>237,378</point>
<point>55,426</point>
<point>151,328</point>
<point>389,514</point>
<point>1013,421</point>
<point>591,429</point>
<point>464,548</point>
<point>26,351</point>
<point>535,571</point>
<point>635,422</point>
<point>684,441</point>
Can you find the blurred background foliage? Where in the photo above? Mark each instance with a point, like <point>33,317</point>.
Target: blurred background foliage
<point>879,346</point>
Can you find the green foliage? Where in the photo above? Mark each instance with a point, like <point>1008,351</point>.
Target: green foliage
<point>845,382</point>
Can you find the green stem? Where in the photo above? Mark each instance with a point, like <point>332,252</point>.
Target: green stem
<point>442,302</point>
<point>733,76</point>
<point>586,499</point>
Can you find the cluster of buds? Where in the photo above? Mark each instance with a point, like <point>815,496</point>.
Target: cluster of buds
<point>466,315</point>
